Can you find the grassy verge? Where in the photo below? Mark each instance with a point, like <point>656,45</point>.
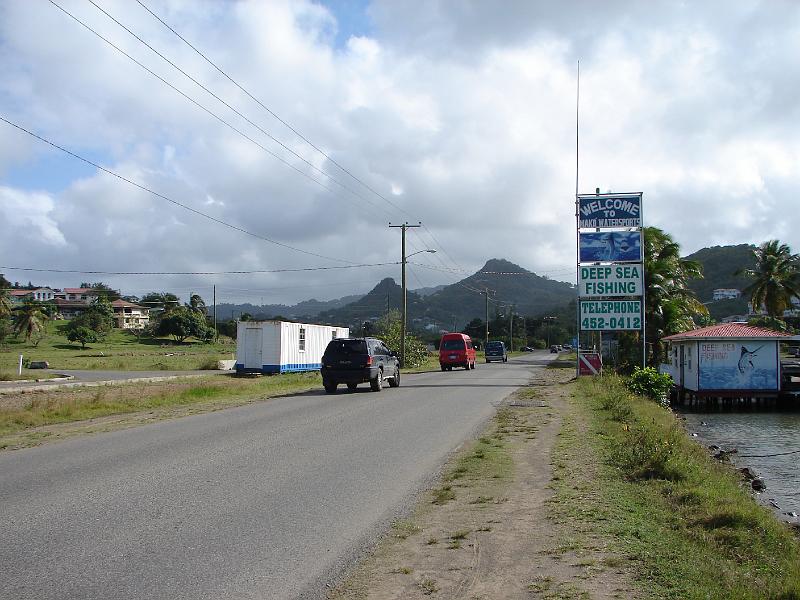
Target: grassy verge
<point>26,375</point>
<point>628,472</point>
<point>36,410</point>
<point>120,350</point>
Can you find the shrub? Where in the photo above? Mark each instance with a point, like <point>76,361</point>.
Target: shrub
<point>650,383</point>
<point>650,454</point>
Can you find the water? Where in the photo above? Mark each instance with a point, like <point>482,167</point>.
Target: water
<point>758,433</point>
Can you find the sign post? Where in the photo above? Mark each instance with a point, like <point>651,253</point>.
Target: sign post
<point>610,269</point>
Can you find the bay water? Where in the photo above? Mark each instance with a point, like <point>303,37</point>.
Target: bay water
<point>767,442</point>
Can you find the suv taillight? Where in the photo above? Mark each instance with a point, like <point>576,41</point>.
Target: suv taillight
<point>369,361</point>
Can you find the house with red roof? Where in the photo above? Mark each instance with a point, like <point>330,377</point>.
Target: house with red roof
<point>128,315</point>
<point>730,360</point>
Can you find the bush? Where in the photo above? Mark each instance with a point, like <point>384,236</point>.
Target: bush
<point>650,383</point>
<point>649,454</point>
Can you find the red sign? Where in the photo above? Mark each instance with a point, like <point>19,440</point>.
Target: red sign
<point>590,363</point>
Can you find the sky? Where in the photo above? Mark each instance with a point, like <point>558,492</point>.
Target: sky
<point>350,115</point>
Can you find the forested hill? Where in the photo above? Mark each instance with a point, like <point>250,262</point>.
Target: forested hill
<point>720,264</point>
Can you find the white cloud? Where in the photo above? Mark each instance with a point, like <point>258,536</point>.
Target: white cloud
<point>460,114</point>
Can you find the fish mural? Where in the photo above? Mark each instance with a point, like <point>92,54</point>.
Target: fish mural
<point>610,246</point>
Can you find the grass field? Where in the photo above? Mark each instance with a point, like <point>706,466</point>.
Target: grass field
<point>627,471</point>
<point>120,350</point>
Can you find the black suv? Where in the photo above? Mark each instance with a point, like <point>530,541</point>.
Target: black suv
<point>359,360</point>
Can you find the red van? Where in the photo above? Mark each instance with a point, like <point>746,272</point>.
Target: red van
<point>456,350</point>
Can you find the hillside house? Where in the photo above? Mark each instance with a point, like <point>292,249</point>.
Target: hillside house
<point>128,315</point>
<point>69,309</point>
<point>726,294</point>
<point>85,295</point>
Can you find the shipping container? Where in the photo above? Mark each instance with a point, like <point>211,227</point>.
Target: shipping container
<point>282,347</point>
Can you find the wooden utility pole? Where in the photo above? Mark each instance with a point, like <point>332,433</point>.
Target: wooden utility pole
<point>216,334</point>
<point>403,315</point>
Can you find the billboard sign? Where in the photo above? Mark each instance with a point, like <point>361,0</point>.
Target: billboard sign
<point>610,315</point>
<point>738,365</point>
<point>611,246</point>
<point>610,280</point>
<point>610,211</point>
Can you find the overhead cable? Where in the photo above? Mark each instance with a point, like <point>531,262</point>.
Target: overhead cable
<point>168,199</point>
<point>266,108</point>
<point>210,92</point>
<point>251,272</point>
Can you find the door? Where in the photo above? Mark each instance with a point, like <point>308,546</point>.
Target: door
<point>252,348</point>
<point>680,365</point>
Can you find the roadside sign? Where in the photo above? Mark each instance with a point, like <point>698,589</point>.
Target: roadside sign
<point>610,280</point>
<point>610,246</point>
<point>610,210</point>
<point>590,363</point>
<point>610,315</point>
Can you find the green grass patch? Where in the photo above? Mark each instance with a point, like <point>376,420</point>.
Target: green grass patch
<point>79,404</point>
<point>120,350</point>
<point>684,521</point>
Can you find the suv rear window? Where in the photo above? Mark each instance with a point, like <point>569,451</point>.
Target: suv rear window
<point>453,345</point>
<point>346,347</point>
<point>494,345</point>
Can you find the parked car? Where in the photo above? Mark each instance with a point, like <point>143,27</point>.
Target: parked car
<point>496,351</point>
<point>456,350</point>
<point>359,360</point>
<point>554,349</point>
<point>567,346</point>
<point>527,349</point>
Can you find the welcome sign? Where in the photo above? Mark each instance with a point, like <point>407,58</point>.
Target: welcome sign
<point>610,211</point>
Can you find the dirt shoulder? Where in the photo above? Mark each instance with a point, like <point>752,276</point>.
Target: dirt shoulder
<point>489,531</point>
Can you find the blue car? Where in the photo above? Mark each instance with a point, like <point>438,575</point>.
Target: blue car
<point>496,351</point>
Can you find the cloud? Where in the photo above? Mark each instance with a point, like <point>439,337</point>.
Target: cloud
<point>458,114</point>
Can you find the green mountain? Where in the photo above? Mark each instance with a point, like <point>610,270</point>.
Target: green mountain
<point>720,264</point>
<point>459,303</point>
<point>387,295</point>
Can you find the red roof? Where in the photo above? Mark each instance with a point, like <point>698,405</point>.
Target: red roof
<point>20,292</point>
<point>78,290</point>
<point>727,331</point>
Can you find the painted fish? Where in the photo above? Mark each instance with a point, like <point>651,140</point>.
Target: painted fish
<point>746,359</point>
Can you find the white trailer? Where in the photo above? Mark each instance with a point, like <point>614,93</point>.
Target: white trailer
<point>282,347</point>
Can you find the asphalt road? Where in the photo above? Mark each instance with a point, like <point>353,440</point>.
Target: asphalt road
<point>270,500</point>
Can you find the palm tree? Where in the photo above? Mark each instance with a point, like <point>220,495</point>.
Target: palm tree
<point>30,320</point>
<point>670,306</point>
<point>777,278</point>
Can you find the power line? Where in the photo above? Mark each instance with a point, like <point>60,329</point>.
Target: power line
<point>163,197</point>
<point>262,105</point>
<point>210,92</point>
<point>253,272</point>
<point>192,100</point>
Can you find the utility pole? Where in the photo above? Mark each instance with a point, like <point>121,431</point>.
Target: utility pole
<point>486,337</point>
<point>511,330</point>
<point>215,313</point>
<point>403,315</point>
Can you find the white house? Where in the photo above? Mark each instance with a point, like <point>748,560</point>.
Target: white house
<point>726,294</point>
<point>128,315</point>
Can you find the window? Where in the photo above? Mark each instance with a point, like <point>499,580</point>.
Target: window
<point>302,340</point>
<point>334,334</point>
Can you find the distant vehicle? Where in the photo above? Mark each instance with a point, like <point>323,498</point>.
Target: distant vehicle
<point>456,350</point>
<point>359,360</point>
<point>496,352</point>
<point>554,349</point>
<point>567,347</point>
<point>527,349</point>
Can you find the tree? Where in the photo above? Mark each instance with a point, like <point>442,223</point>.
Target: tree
<point>777,278</point>
<point>5,297</point>
<point>104,290</point>
<point>669,303</point>
<point>30,320</point>
<point>388,329</point>
<point>197,304</point>
<point>160,301</point>
<point>183,322</point>
<point>82,335</point>
<point>99,317</point>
